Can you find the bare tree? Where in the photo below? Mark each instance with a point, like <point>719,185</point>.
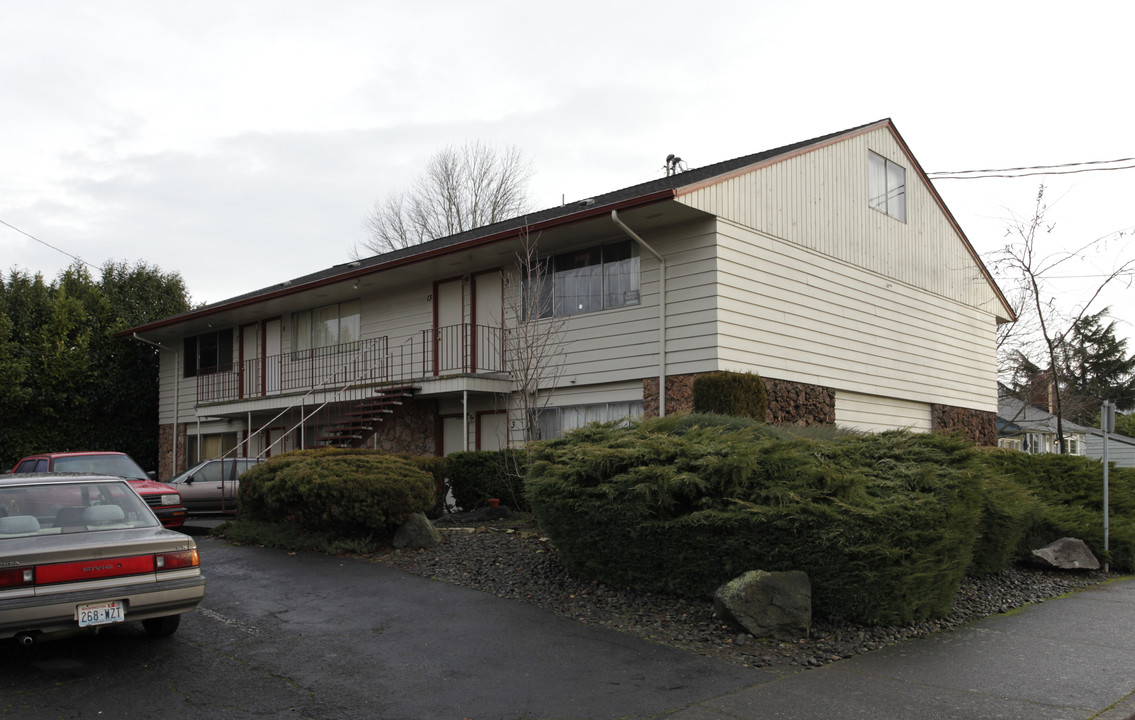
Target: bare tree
<point>534,341</point>
<point>461,188</point>
<point>1047,325</point>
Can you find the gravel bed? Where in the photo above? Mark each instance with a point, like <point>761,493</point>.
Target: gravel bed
<point>521,565</point>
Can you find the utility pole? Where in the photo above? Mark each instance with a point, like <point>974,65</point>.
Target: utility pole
<point>1107,424</point>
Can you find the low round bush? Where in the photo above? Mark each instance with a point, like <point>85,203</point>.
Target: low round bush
<point>348,492</point>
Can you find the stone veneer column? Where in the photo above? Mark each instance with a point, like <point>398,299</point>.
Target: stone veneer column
<point>980,426</point>
<point>789,403</point>
<point>412,429</point>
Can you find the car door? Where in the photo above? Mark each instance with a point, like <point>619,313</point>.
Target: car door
<point>201,491</point>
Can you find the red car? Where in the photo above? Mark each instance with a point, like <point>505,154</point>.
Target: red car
<point>164,500</point>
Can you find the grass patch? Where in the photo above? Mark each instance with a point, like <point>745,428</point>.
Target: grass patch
<point>291,537</point>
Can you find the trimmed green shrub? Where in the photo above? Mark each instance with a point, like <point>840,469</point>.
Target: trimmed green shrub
<point>1070,491</point>
<point>731,393</point>
<point>885,526</point>
<point>438,467</point>
<point>1009,512</point>
<point>477,475</point>
<point>348,492</point>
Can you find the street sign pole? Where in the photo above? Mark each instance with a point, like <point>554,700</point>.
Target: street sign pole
<point>1107,424</point>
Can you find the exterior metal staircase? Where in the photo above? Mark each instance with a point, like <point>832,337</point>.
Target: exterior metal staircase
<point>363,418</point>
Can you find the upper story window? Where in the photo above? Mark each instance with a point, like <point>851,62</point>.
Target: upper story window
<point>886,186</point>
<point>207,353</point>
<point>326,326</point>
<point>595,278</point>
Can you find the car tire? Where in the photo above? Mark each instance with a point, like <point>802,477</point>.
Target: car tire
<point>161,627</point>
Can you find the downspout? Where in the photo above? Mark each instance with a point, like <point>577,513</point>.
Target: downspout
<point>176,390</point>
<point>661,311</point>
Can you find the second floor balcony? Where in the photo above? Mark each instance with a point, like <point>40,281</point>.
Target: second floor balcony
<point>462,349</point>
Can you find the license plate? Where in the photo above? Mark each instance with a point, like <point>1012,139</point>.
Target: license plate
<point>101,613</point>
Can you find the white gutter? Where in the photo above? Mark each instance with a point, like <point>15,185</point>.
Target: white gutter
<point>661,311</point>
<point>176,390</point>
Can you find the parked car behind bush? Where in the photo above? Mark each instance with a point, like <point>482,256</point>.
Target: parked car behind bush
<point>347,492</point>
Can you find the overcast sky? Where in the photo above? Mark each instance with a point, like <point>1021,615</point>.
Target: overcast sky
<point>241,143</point>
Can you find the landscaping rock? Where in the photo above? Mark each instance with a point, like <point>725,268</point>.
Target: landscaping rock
<point>1065,554</point>
<point>767,604</point>
<point>416,533</point>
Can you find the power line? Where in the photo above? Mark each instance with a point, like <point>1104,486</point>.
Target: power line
<point>1030,170</point>
<point>47,244</point>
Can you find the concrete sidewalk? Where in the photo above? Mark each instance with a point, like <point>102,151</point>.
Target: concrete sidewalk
<point>1070,658</point>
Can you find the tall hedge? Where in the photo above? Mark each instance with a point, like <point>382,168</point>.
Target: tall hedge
<point>477,475</point>
<point>348,492</point>
<point>885,526</point>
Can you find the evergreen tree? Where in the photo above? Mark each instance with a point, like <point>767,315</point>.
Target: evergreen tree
<point>66,381</point>
<point>1095,367</point>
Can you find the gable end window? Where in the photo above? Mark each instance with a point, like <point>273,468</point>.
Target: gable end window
<point>886,186</point>
<point>208,353</point>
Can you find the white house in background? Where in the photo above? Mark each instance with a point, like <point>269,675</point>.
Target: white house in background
<point>831,267</point>
<point>1025,427</point>
<point>1030,429</point>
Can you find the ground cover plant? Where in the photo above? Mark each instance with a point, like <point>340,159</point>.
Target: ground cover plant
<point>885,525</point>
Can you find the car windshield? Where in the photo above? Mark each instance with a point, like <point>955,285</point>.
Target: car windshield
<point>70,507</point>
<point>119,465</point>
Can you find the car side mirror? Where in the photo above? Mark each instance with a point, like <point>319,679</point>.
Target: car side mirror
<point>153,475</point>
<point>189,480</point>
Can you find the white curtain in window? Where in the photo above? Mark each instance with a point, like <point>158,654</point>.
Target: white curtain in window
<point>349,328</point>
<point>325,326</point>
<point>896,191</point>
<point>301,331</point>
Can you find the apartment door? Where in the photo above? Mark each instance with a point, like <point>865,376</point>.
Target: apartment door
<point>488,314</point>
<point>450,327</point>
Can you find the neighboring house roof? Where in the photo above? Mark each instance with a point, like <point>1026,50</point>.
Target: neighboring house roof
<point>666,188</point>
<point>1016,416</point>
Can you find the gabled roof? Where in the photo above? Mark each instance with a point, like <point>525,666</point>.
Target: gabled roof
<point>650,192</point>
<point>1019,416</point>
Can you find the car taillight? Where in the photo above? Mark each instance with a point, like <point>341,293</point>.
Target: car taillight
<point>16,577</point>
<point>175,560</point>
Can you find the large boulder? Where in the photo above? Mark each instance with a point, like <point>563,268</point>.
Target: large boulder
<point>1065,554</point>
<point>416,533</point>
<point>767,604</point>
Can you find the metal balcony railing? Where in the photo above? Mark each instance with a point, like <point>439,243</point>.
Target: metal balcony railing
<point>455,349</point>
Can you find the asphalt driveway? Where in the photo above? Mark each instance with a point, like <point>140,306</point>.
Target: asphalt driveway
<point>311,636</point>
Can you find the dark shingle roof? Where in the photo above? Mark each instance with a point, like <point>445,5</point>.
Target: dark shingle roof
<point>650,191</point>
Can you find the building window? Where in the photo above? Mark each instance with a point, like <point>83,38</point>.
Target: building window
<point>1071,446</point>
<point>555,421</point>
<point>208,353</point>
<point>206,447</point>
<point>595,278</point>
<point>326,326</point>
<point>886,186</point>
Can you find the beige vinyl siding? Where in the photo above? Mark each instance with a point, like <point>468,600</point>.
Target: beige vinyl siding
<point>618,345</point>
<point>818,200</point>
<point>871,413</point>
<point>793,314</point>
